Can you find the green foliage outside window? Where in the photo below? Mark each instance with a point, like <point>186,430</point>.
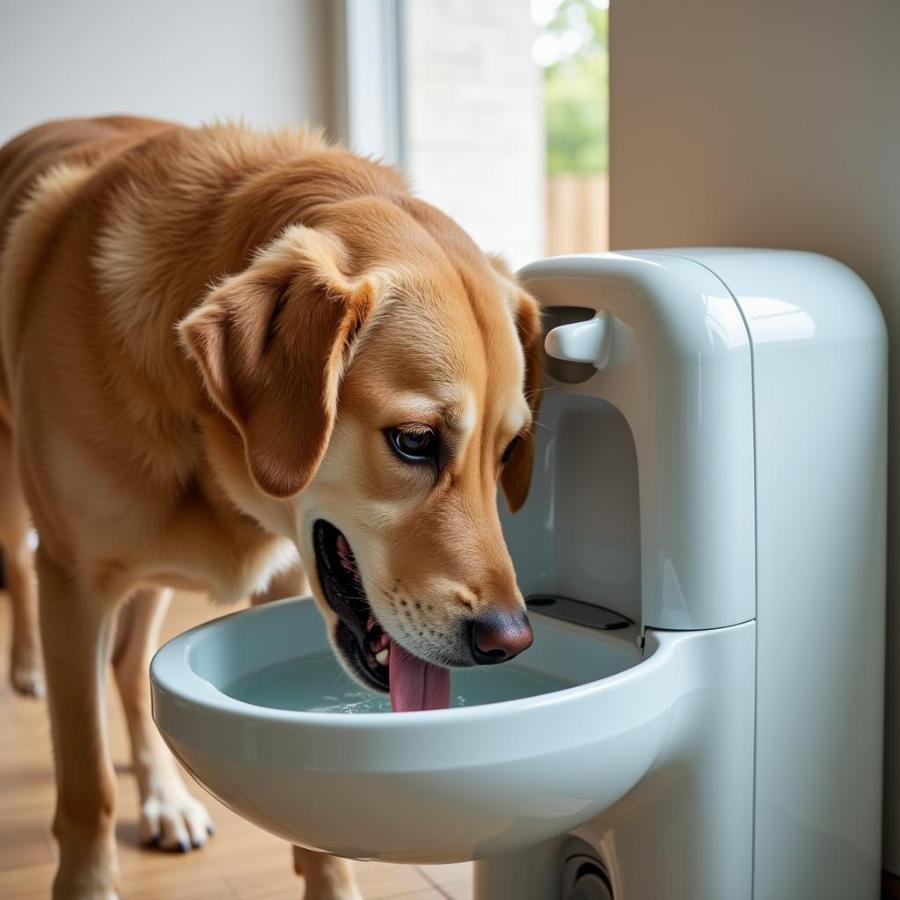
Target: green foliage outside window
<point>573,49</point>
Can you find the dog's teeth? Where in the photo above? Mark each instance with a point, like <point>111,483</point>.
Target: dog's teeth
<point>383,656</point>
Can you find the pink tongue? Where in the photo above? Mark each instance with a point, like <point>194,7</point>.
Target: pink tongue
<point>416,684</point>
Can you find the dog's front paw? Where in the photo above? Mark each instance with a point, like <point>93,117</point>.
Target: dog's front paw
<point>173,820</point>
<point>26,675</point>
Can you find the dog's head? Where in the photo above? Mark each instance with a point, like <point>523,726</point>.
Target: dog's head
<point>383,380</point>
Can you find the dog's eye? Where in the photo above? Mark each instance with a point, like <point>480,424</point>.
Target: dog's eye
<point>510,448</point>
<point>414,445</point>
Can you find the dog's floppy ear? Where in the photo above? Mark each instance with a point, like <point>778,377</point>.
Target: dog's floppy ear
<point>272,344</point>
<point>516,476</point>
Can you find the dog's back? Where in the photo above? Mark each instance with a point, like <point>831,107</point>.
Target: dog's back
<point>83,142</point>
<point>41,171</point>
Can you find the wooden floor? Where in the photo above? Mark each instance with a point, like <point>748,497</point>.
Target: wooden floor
<point>239,862</point>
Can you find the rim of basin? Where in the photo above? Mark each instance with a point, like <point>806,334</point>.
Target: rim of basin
<point>172,673</point>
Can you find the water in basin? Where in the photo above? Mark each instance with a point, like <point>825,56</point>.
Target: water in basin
<point>315,682</point>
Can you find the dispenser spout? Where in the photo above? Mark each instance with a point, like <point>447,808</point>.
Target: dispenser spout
<point>581,342</point>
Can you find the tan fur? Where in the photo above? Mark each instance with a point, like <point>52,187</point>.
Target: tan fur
<point>205,333</point>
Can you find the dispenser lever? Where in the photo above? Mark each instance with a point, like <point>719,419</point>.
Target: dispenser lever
<point>581,342</point>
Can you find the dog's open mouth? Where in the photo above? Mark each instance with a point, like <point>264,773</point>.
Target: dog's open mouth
<point>374,656</point>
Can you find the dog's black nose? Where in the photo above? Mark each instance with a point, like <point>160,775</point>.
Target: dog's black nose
<point>499,636</point>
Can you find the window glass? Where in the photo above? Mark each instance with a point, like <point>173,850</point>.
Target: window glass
<point>507,120</point>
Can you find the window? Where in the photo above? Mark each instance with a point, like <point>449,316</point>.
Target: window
<point>506,120</point>
<point>572,50</point>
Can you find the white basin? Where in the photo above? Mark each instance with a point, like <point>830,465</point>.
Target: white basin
<point>542,745</point>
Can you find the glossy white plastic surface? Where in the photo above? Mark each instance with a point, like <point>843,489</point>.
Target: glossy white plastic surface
<point>580,434</point>
<point>820,366</point>
<point>685,832</point>
<point>815,445</point>
<point>426,786</point>
<point>585,342</point>
<point>678,370</point>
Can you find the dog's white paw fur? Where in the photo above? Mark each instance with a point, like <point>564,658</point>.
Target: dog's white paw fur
<point>27,677</point>
<point>172,819</point>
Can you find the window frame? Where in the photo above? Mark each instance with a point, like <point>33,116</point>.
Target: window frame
<point>369,99</point>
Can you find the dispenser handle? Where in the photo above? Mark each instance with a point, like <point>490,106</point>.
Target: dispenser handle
<point>581,342</point>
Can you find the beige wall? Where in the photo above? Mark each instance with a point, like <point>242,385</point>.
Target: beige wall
<point>776,124</point>
<point>190,60</point>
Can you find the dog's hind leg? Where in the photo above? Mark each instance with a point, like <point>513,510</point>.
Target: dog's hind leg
<point>25,670</point>
<point>76,629</point>
<point>170,817</point>
<point>327,877</point>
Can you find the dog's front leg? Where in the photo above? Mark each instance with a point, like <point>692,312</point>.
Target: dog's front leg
<point>170,817</point>
<point>26,674</point>
<point>327,877</point>
<point>290,583</point>
<point>76,630</point>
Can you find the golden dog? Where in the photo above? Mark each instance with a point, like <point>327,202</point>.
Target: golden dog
<point>222,349</point>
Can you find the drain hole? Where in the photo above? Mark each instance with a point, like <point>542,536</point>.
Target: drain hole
<point>592,868</point>
<point>584,875</point>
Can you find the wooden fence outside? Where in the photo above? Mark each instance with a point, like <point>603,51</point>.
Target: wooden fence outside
<point>577,214</point>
